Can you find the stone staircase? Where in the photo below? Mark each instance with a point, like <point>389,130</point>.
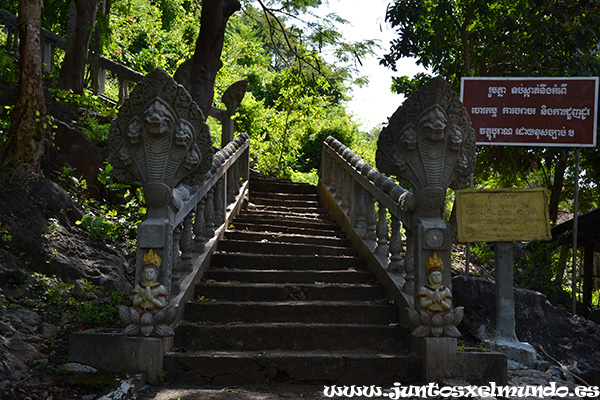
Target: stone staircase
<point>287,299</point>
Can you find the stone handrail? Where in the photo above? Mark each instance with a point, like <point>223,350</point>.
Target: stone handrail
<point>204,215</point>
<point>360,197</point>
<point>51,40</point>
<point>189,232</point>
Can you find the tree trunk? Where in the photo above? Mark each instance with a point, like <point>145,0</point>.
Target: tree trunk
<point>79,31</point>
<point>557,184</point>
<point>99,28</point>
<point>206,61</point>
<point>28,131</point>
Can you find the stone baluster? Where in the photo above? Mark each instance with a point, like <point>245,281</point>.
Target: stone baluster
<point>209,214</point>
<point>346,192</point>
<point>339,184</point>
<point>12,41</point>
<point>200,225</point>
<point>231,184</point>
<point>187,237</point>
<point>395,247</point>
<point>371,218</point>
<point>123,90</point>
<point>382,250</point>
<point>333,173</point>
<point>360,210</point>
<point>325,171</point>
<point>47,55</point>
<point>219,202</point>
<point>409,263</point>
<point>177,247</point>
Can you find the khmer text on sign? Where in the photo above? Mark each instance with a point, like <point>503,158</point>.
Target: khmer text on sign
<point>532,111</point>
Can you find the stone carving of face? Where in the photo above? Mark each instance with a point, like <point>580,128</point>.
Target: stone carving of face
<point>158,118</point>
<point>192,159</point>
<point>435,278</point>
<point>133,131</point>
<point>183,135</point>
<point>149,274</point>
<point>433,124</point>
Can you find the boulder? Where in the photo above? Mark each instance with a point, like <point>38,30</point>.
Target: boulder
<point>10,270</point>
<point>74,148</point>
<point>572,340</point>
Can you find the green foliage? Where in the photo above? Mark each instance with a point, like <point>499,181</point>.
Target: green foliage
<point>9,67</point>
<point>340,128</point>
<point>95,130</point>
<point>115,223</point>
<point>68,305</point>
<point>112,221</point>
<point>496,38</point>
<point>482,252</point>
<point>147,35</point>
<point>476,38</point>
<point>536,270</point>
<point>288,109</point>
<point>5,236</point>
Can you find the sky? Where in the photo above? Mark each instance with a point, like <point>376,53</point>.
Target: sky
<point>373,103</point>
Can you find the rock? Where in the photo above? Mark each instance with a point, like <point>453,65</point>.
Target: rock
<point>22,319</point>
<point>75,259</point>
<point>78,368</point>
<point>14,356</point>
<point>73,147</point>
<point>10,270</point>
<point>572,340</point>
<point>49,331</point>
<point>54,200</point>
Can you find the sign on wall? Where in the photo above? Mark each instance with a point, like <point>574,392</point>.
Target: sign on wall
<point>502,215</point>
<point>532,111</point>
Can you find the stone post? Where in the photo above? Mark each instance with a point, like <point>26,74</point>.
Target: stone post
<point>505,297</point>
<point>430,143</point>
<point>159,139</point>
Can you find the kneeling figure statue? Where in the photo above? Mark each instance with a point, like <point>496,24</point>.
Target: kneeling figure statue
<point>149,314</point>
<point>436,316</point>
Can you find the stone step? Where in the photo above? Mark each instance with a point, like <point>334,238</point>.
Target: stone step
<point>291,221</point>
<point>283,202</point>
<point>271,237</point>
<point>303,216</point>
<point>285,262</point>
<point>243,246</point>
<point>285,211</point>
<point>290,229</point>
<point>259,196</point>
<point>280,186</point>
<point>281,276</point>
<point>290,336</point>
<point>288,292</point>
<point>349,367</point>
<point>363,312</point>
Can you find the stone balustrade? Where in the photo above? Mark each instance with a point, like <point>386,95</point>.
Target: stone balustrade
<point>366,197</point>
<point>203,208</point>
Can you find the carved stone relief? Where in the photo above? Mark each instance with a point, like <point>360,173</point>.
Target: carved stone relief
<point>430,143</point>
<point>159,138</point>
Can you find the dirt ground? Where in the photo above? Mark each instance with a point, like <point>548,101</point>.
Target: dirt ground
<point>270,392</point>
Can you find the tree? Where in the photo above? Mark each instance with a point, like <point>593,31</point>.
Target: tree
<point>206,61</point>
<point>82,16</point>
<point>28,131</point>
<point>456,38</point>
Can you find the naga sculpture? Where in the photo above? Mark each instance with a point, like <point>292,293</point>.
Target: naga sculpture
<point>160,138</point>
<point>429,142</point>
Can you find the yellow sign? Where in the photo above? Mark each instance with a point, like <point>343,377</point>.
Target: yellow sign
<point>502,215</point>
